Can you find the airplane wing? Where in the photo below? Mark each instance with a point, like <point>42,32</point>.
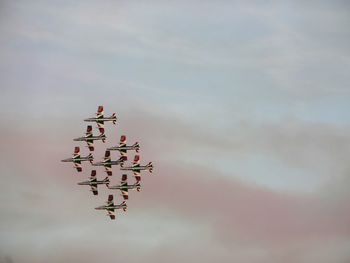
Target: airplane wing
<point>111,214</point>
<point>88,130</point>
<point>137,175</point>
<point>110,200</point>
<point>76,152</point>
<point>93,174</point>
<point>107,155</point>
<point>124,179</point>
<point>122,140</point>
<point>90,144</point>
<point>136,159</point>
<point>108,169</point>
<point>100,123</point>
<point>124,187</point>
<point>101,126</point>
<point>94,189</point>
<point>125,193</point>
<point>123,152</point>
<point>100,111</point>
<point>107,158</point>
<point>77,166</point>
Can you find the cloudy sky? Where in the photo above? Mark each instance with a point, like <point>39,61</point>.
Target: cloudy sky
<point>242,107</point>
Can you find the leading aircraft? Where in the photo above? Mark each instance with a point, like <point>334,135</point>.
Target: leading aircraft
<point>89,138</point>
<point>93,182</point>
<point>107,162</point>
<point>100,119</point>
<point>77,159</point>
<point>110,207</point>
<point>123,148</point>
<point>137,168</point>
<point>124,186</point>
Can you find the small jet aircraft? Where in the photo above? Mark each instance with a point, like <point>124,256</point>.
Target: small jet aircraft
<point>89,138</point>
<point>123,148</point>
<point>107,162</point>
<point>77,159</point>
<point>124,186</point>
<point>110,207</point>
<point>93,182</point>
<point>100,119</point>
<point>137,168</point>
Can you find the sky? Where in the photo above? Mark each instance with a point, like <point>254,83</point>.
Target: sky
<point>242,106</point>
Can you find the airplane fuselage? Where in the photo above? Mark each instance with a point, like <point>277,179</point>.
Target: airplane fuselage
<point>75,160</point>
<point>108,163</point>
<point>91,138</point>
<point>122,148</point>
<point>135,168</point>
<point>110,207</point>
<point>92,182</point>
<point>101,119</point>
<point>123,187</point>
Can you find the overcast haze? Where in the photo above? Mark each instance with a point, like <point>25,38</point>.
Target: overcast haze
<point>242,107</point>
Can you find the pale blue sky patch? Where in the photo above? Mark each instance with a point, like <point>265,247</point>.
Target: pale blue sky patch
<point>256,92</point>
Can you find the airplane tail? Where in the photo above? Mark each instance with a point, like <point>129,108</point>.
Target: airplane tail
<point>90,158</point>
<point>122,159</point>
<point>103,136</point>
<point>136,145</point>
<point>115,118</point>
<point>150,167</point>
<point>138,186</point>
<point>124,205</point>
<point>106,181</point>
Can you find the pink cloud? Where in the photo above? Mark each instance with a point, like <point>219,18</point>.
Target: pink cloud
<point>235,209</point>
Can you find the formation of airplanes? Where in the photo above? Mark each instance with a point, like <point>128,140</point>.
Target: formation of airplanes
<point>108,163</point>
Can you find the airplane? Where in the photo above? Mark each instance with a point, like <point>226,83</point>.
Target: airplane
<point>89,138</point>
<point>93,182</point>
<point>100,119</point>
<point>137,168</point>
<point>77,159</point>
<point>124,187</point>
<point>110,207</point>
<point>107,162</point>
<point>123,148</point>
